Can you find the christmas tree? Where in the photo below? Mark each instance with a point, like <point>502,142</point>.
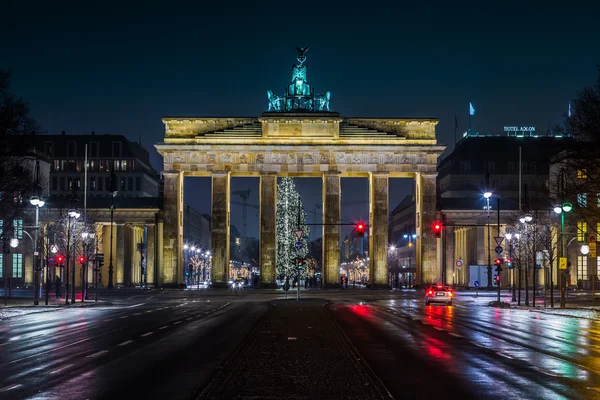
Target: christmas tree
<point>290,217</point>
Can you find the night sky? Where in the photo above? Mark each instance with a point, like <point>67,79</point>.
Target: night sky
<point>116,68</point>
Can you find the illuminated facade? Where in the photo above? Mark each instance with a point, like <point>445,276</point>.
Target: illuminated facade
<point>299,143</point>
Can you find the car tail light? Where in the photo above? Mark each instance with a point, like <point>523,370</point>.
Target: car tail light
<point>439,286</point>
<point>450,294</point>
<point>430,292</point>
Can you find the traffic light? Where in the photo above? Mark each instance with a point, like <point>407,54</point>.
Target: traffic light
<point>509,262</point>
<point>437,229</point>
<point>360,229</point>
<point>497,279</point>
<point>300,263</point>
<point>81,259</point>
<point>60,259</point>
<point>499,262</point>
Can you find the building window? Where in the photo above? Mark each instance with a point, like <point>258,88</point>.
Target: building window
<point>108,186</point>
<point>511,167</point>
<point>465,166</point>
<point>582,200</point>
<point>581,231</point>
<point>582,267</point>
<point>532,166</point>
<point>18,228</point>
<point>123,187</point>
<point>581,173</point>
<point>17,265</point>
<point>93,184</point>
<point>491,167</point>
<point>138,184</point>
<point>71,149</point>
<point>124,165</point>
<point>94,149</point>
<point>131,165</point>
<point>130,183</point>
<point>54,183</point>
<point>48,149</point>
<point>116,149</point>
<point>100,180</point>
<point>71,165</point>
<point>78,165</point>
<point>465,184</point>
<point>62,183</point>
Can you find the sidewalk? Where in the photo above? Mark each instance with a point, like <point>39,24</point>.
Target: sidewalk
<point>18,306</point>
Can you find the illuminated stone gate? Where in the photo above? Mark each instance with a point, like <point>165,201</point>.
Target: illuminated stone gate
<point>299,138</point>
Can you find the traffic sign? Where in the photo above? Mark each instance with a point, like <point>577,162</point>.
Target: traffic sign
<point>592,239</point>
<point>592,249</point>
<point>498,240</point>
<point>562,264</point>
<point>459,262</point>
<point>299,245</point>
<point>298,233</point>
<point>499,249</point>
<point>476,284</point>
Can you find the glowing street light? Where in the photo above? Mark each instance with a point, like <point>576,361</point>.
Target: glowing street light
<point>585,249</point>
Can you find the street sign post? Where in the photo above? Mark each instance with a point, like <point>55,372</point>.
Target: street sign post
<point>562,264</point>
<point>299,245</point>
<point>498,249</point>
<point>499,240</point>
<point>298,233</point>
<point>476,284</point>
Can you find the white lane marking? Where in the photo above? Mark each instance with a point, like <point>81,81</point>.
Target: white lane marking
<point>149,311</point>
<point>187,319</point>
<point>3,344</point>
<point>138,313</point>
<point>135,305</point>
<point>163,327</point>
<point>178,322</point>
<point>56,371</point>
<point>125,343</point>
<point>544,371</point>
<point>425,323</point>
<point>97,354</point>
<point>107,320</point>
<point>124,316</point>
<point>6,389</point>
<point>459,306</point>
<point>147,334</point>
<point>15,338</point>
<point>504,355</point>
<point>476,343</point>
<point>414,319</point>
<point>455,334</point>
<point>64,347</point>
<point>437,328</point>
<point>148,298</point>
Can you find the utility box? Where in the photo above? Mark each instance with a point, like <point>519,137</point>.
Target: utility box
<point>478,273</point>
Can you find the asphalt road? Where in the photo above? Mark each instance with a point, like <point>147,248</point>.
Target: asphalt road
<point>173,344</point>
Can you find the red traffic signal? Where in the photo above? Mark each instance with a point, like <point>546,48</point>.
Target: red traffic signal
<point>498,261</point>
<point>437,229</point>
<point>60,259</point>
<point>81,259</point>
<point>360,229</point>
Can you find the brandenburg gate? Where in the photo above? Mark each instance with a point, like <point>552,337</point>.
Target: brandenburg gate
<point>299,137</point>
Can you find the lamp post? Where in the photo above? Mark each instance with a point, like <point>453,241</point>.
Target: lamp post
<point>509,238</point>
<point>525,220</point>
<point>74,215</point>
<point>487,196</point>
<point>84,267</point>
<point>562,210</point>
<point>37,202</point>
<point>53,250</point>
<point>112,211</point>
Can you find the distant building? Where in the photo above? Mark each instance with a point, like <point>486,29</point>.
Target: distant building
<point>130,162</point>
<point>402,237</point>
<point>489,163</point>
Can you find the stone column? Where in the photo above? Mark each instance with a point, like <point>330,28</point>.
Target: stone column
<point>128,238</point>
<point>268,214</point>
<point>160,255</point>
<point>427,270</point>
<point>378,229</point>
<point>173,229</point>
<point>331,228</point>
<point>119,256</point>
<point>220,228</point>
<point>150,259</point>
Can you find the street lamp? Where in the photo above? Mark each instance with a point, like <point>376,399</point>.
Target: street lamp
<point>73,215</point>
<point>525,219</point>
<point>14,242</point>
<point>84,267</point>
<point>37,203</point>
<point>562,210</point>
<point>585,249</point>
<point>487,196</point>
<point>509,238</point>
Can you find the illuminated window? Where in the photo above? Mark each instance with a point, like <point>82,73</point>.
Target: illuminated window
<point>581,230</point>
<point>582,200</point>
<point>18,227</point>
<point>597,230</point>
<point>581,173</point>
<point>17,266</point>
<point>582,267</point>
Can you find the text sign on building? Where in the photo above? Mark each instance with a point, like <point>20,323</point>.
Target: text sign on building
<point>519,130</point>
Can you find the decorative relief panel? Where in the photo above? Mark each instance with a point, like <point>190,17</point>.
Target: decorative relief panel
<point>243,158</point>
<point>178,158</point>
<point>227,158</point>
<point>260,158</point>
<point>211,158</point>
<point>308,158</point>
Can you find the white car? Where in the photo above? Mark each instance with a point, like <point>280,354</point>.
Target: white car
<point>439,294</point>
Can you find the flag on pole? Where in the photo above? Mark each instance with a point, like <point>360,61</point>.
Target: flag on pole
<point>471,109</point>
<point>569,109</point>
<point>455,122</point>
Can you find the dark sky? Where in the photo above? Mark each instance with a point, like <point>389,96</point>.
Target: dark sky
<point>119,68</point>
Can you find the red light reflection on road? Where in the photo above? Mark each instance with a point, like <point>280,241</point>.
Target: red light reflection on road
<point>363,311</point>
